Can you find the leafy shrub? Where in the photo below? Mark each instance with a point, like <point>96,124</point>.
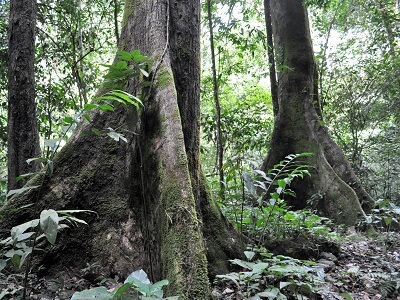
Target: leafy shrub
<point>136,286</point>
<point>274,276</point>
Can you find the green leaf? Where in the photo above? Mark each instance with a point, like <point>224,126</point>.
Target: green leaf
<point>121,65</point>
<point>123,55</point>
<point>122,289</point>
<point>139,275</point>
<point>16,231</point>
<point>24,236</point>
<point>49,224</point>
<point>160,284</point>
<point>284,284</point>
<point>16,259</point>
<point>249,255</point>
<point>282,183</point>
<point>87,117</point>
<point>106,107</point>
<point>89,106</point>
<point>137,56</point>
<point>232,276</point>
<point>99,293</point>
<point>346,296</point>
<point>69,120</point>
<point>242,263</point>
<point>23,176</point>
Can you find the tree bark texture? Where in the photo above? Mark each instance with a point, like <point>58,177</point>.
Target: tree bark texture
<point>271,57</point>
<point>334,188</point>
<point>154,209</point>
<point>22,130</point>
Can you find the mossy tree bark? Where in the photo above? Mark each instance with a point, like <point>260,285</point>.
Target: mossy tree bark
<point>154,209</point>
<point>334,187</point>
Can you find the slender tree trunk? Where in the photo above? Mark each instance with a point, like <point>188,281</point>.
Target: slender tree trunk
<point>220,149</point>
<point>22,133</point>
<point>116,28</point>
<point>271,57</point>
<point>154,208</point>
<point>333,187</point>
<point>79,62</point>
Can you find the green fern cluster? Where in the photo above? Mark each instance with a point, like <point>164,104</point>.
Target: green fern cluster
<point>390,282</point>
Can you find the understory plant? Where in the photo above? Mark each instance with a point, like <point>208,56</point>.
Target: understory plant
<point>261,212</point>
<point>136,286</point>
<point>274,276</point>
<point>18,249</point>
<point>384,218</point>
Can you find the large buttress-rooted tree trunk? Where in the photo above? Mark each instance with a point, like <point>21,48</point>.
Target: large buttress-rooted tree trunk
<point>154,209</point>
<point>334,188</point>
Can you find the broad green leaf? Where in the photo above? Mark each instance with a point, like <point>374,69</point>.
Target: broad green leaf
<point>16,231</point>
<point>99,293</point>
<point>16,259</point>
<point>259,267</point>
<point>69,120</point>
<point>106,107</point>
<point>232,276</point>
<point>89,106</point>
<point>346,296</point>
<point>249,255</point>
<point>137,56</point>
<point>23,176</point>
<point>24,236</point>
<point>49,224</point>
<point>125,55</point>
<point>242,263</point>
<point>121,65</point>
<point>284,284</point>
<point>139,275</point>
<point>122,289</point>
<point>21,190</point>
<point>160,283</point>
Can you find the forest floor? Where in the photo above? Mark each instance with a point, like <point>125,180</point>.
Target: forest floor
<point>362,267</point>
